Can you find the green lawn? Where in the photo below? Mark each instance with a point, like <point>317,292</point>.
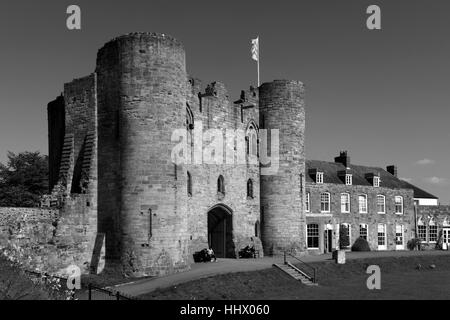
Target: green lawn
<point>400,279</point>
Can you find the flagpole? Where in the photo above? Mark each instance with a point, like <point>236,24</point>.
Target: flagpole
<point>255,54</point>
<point>258,62</point>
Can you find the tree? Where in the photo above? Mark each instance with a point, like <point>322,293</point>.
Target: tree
<point>23,180</point>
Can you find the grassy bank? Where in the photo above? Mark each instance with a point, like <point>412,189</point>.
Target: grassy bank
<point>401,278</point>
<point>17,285</point>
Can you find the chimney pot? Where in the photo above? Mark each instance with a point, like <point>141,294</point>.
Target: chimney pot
<point>392,170</point>
<point>343,159</point>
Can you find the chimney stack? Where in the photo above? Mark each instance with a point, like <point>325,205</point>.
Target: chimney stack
<point>343,159</point>
<point>392,170</point>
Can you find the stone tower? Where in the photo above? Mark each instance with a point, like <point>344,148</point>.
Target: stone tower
<point>281,106</point>
<point>142,199</point>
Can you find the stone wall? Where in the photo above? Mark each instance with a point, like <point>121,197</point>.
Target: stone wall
<point>142,194</point>
<point>283,193</point>
<point>214,109</point>
<point>51,241</point>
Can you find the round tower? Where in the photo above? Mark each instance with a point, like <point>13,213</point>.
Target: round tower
<point>142,194</point>
<point>281,105</point>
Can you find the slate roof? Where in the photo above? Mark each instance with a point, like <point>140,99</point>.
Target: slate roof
<point>330,175</point>
<point>420,193</point>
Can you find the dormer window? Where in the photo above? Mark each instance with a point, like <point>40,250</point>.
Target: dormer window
<point>373,178</point>
<point>376,181</point>
<point>319,177</point>
<point>348,179</point>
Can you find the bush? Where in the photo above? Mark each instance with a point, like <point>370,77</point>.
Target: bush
<point>361,244</point>
<point>413,244</point>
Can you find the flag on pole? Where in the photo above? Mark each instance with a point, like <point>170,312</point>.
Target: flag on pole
<point>255,49</point>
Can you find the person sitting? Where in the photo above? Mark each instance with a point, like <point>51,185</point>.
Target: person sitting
<point>205,255</point>
<point>211,254</point>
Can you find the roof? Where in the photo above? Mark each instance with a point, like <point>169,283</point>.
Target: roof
<point>330,174</point>
<point>420,193</point>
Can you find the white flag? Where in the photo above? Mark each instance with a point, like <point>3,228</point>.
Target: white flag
<point>255,49</point>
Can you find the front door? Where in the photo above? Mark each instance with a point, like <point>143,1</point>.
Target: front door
<point>328,241</point>
<point>446,239</point>
<point>220,233</point>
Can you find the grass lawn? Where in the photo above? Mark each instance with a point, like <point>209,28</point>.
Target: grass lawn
<point>400,279</point>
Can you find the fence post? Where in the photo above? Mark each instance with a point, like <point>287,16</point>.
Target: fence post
<point>90,291</point>
<point>117,295</point>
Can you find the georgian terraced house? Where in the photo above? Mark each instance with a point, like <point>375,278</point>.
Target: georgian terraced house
<point>372,203</point>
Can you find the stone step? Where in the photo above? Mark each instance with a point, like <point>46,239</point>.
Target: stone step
<point>295,274</point>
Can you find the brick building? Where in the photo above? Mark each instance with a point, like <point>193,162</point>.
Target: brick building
<point>433,226</point>
<point>370,202</point>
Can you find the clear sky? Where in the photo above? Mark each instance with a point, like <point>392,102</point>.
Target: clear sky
<point>382,95</point>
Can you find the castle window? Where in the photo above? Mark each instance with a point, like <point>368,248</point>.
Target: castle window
<point>189,184</point>
<point>381,204</point>
<point>398,205</point>
<point>150,224</point>
<point>189,128</point>
<point>348,179</point>
<point>307,203</point>
<point>249,188</point>
<point>252,140</point>
<point>312,231</point>
<point>319,177</point>
<point>376,182</point>
<point>189,118</point>
<point>362,203</point>
<point>257,228</point>
<point>325,202</point>
<point>363,231</point>
<point>220,185</point>
<point>345,202</point>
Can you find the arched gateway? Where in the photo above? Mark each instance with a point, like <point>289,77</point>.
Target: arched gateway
<point>220,231</point>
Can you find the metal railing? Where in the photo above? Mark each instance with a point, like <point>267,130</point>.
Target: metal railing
<point>312,274</point>
<point>96,293</point>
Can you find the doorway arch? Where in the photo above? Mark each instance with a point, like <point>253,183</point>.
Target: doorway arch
<point>220,231</point>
